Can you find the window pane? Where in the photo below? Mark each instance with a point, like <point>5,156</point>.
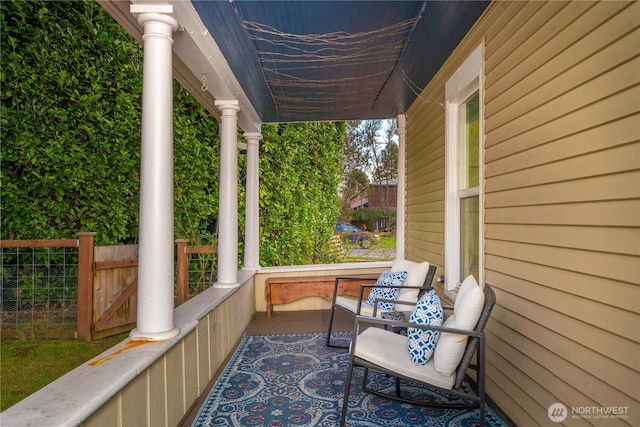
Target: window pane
<point>469,237</point>
<point>470,142</point>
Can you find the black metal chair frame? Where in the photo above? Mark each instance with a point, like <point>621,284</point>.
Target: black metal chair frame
<point>425,286</point>
<point>475,345</point>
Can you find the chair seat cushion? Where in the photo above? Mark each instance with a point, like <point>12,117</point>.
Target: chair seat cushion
<point>389,350</point>
<point>422,342</point>
<point>351,304</point>
<point>383,290</point>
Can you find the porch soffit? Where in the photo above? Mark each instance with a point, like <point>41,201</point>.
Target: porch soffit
<point>289,61</point>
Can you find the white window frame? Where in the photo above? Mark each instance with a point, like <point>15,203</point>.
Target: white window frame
<point>463,83</point>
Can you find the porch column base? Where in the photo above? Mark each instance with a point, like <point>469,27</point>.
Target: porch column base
<point>135,334</point>
<point>226,285</point>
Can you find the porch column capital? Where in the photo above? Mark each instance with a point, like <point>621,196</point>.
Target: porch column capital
<point>252,137</point>
<point>156,19</point>
<point>401,127</point>
<point>228,108</point>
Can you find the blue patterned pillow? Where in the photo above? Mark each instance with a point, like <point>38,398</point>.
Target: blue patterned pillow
<point>382,289</point>
<point>422,343</point>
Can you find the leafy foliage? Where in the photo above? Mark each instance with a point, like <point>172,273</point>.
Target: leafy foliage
<point>372,215</point>
<point>71,85</point>
<point>71,93</point>
<point>69,122</point>
<point>196,169</point>
<point>300,173</point>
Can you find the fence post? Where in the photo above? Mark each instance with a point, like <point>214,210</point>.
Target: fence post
<point>183,264</point>
<point>85,286</point>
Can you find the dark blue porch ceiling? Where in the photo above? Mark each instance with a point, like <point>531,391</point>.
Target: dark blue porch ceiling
<point>336,60</point>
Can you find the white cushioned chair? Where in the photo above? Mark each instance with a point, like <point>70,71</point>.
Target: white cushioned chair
<point>418,280</point>
<point>385,351</point>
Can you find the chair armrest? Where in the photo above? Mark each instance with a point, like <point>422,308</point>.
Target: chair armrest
<point>395,287</point>
<point>363,287</point>
<point>361,277</point>
<point>347,278</point>
<point>392,301</point>
<point>398,323</point>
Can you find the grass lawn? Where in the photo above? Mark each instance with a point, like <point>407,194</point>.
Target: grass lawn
<point>27,366</point>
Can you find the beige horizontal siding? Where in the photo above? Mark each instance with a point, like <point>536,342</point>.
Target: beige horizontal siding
<point>607,135</point>
<point>561,202</point>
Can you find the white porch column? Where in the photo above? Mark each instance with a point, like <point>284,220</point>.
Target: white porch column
<point>156,247</point>
<point>400,212</point>
<point>228,198</point>
<point>252,239</point>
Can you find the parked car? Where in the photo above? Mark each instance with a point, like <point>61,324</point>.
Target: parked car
<point>349,233</point>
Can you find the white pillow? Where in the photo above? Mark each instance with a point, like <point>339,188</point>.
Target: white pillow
<point>449,350</point>
<point>416,275</point>
<point>469,304</point>
<point>467,310</point>
<point>468,283</point>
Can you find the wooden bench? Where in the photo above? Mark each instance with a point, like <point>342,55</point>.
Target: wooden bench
<point>282,290</point>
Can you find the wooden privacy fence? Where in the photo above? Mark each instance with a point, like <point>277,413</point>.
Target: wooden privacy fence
<point>108,281</point>
<point>115,284</point>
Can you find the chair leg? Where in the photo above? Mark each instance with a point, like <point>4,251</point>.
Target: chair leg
<point>365,376</point>
<point>345,399</point>
<point>365,388</point>
<point>329,330</point>
<point>480,382</point>
<point>333,310</point>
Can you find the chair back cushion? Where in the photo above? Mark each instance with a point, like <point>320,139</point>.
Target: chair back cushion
<point>422,343</point>
<point>416,275</point>
<point>467,310</point>
<point>382,288</point>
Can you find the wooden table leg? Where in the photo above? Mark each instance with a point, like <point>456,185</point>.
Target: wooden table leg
<point>267,293</point>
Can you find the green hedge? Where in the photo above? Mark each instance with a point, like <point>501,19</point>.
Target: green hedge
<point>71,83</point>
<point>300,168</point>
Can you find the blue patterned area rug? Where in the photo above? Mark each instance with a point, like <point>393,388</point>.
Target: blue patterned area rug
<point>295,380</point>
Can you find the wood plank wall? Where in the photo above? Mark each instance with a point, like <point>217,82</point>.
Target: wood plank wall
<point>562,202</point>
